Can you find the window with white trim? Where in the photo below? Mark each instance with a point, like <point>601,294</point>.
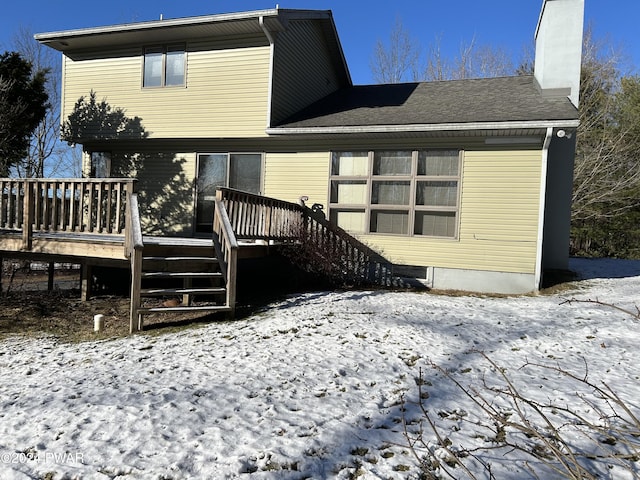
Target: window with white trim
<point>404,192</point>
<point>164,66</point>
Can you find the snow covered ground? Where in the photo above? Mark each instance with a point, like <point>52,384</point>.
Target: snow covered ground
<point>311,387</point>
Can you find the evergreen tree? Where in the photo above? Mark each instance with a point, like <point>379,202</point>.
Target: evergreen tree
<point>23,105</point>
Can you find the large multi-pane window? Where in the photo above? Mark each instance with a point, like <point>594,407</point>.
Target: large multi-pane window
<point>406,192</point>
<point>164,66</point>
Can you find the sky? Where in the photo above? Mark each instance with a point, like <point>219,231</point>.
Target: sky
<point>509,24</point>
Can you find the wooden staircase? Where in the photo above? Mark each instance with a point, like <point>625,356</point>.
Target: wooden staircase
<point>181,278</point>
<point>172,275</point>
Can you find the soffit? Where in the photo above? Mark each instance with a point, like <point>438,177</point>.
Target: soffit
<point>174,30</point>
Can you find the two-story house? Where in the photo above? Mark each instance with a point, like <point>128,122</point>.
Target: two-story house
<point>466,184</point>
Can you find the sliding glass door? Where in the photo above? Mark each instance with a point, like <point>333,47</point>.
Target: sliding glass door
<point>241,171</point>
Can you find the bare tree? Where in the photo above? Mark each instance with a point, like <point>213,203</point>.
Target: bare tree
<point>401,57</point>
<point>438,66</point>
<point>607,169</point>
<point>472,61</point>
<point>391,63</point>
<point>47,155</point>
<point>488,61</point>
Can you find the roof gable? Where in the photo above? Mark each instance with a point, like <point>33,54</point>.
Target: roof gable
<point>265,23</point>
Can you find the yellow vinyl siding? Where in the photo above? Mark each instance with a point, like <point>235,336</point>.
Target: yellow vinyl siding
<point>164,186</point>
<point>226,93</point>
<point>499,203</point>
<point>304,70</point>
<point>288,176</point>
<point>498,218</point>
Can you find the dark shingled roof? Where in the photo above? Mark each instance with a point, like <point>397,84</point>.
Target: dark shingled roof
<point>505,99</point>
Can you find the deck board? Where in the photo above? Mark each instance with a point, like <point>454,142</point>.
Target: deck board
<point>177,241</point>
<point>104,246</point>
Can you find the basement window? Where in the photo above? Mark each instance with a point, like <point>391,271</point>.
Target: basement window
<point>164,66</point>
<point>406,192</point>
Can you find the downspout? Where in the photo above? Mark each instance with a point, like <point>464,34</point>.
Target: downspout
<point>542,206</point>
<point>267,33</point>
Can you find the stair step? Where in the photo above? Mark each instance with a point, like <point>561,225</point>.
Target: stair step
<point>181,259</point>
<point>182,291</point>
<point>197,308</point>
<point>181,275</point>
<point>178,251</point>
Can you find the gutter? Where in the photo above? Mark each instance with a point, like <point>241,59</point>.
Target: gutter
<point>149,25</point>
<point>543,200</point>
<point>435,127</point>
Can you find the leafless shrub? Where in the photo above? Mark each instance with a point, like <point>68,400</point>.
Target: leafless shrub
<point>9,270</point>
<point>634,314</point>
<point>581,438</point>
<point>327,250</point>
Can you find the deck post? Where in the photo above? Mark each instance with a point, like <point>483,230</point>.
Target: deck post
<point>134,247</point>
<point>135,319</point>
<point>232,278</point>
<point>50,272</point>
<point>85,282</point>
<point>187,283</point>
<point>27,215</point>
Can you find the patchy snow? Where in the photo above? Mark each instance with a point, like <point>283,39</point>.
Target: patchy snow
<point>313,386</point>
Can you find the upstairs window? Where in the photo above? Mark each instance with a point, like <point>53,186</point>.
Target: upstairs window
<point>164,66</point>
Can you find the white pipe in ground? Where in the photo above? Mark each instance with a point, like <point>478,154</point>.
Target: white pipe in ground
<point>98,323</point>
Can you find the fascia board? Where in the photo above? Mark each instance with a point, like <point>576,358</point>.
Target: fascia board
<point>424,127</point>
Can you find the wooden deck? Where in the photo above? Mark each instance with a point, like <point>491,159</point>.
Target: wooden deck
<point>61,246</point>
<point>97,222</point>
<point>64,246</point>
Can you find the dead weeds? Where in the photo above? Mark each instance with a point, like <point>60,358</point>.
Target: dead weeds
<point>27,308</point>
<point>60,313</point>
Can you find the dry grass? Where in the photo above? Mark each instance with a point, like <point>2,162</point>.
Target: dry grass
<point>28,309</point>
<point>61,314</point>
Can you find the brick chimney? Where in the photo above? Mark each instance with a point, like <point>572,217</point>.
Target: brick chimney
<point>559,48</point>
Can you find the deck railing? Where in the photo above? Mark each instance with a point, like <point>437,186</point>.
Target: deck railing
<point>63,205</point>
<point>257,217</point>
<point>315,242</point>
<point>133,247</point>
<point>226,245</point>
<point>340,256</point>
